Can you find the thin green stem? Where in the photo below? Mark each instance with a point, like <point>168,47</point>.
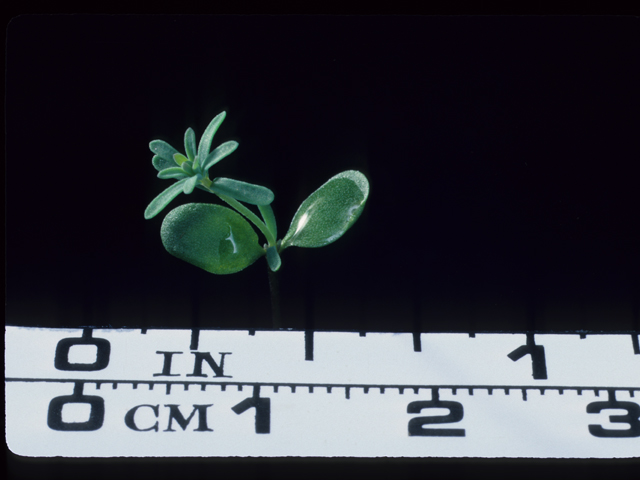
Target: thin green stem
<point>274,289</point>
<point>252,217</point>
<point>269,219</point>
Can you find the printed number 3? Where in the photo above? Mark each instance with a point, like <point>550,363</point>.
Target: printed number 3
<point>632,418</point>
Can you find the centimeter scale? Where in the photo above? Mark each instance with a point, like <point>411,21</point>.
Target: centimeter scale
<point>143,393</point>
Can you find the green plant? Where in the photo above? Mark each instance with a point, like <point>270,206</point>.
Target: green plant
<point>218,239</point>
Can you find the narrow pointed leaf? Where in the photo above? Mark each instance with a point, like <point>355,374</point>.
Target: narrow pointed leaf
<point>162,200</point>
<point>190,183</point>
<point>179,159</point>
<point>190,143</point>
<point>329,211</point>
<point>173,172</point>
<point>160,163</point>
<point>273,259</point>
<point>212,237</point>
<point>163,149</point>
<point>242,191</point>
<point>186,166</point>
<point>218,154</point>
<point>269,218</point>
<point>207,136</point>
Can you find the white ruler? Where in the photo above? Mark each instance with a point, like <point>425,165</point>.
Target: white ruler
<point>106,393</point>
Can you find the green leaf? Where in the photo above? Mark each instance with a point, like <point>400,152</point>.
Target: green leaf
<point>190,184</point>
<point>273,259</point>
<point>163,150</point>
<point>179,159</point>
<point>190,143</point>
<point>242,191</point>
<point>160,163</point>
<point>212,237</point>
<point>173,172</point>
<point>162,200</point>
<point>187,167</point>
<point>207,137</point>
<point>269,219</point>
<point>329,211</point>
<point>218,154</point>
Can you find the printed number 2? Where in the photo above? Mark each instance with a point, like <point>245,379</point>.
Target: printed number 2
<point>416,424</point>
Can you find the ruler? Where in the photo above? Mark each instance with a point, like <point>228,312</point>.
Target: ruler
<point>218,393</point>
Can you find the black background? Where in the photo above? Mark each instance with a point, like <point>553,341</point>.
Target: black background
<point>501,152</point>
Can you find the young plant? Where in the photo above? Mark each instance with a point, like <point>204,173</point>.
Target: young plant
<point>218,239</point>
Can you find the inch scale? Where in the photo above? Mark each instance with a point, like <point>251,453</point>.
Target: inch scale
<point>219,393</point>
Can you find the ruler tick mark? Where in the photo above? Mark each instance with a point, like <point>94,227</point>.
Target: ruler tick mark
<point>308,345</point>
<point>195,337</point>
<point>417,345</point>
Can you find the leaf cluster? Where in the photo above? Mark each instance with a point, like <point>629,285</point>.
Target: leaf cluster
<point>220,240</point>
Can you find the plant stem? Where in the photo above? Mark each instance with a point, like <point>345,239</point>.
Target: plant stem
<point>275,299</point>
<point>252,217</point>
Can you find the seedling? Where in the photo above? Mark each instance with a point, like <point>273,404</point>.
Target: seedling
<point>218,239</point>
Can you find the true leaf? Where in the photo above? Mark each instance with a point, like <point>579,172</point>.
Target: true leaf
<point>218,154</point>
<point>179,158</point>
<point>173,172</point>
<point>162,200</point>
<point>163,149</point>
<point>190,143</point>
<point>160,163</point>
<point>207,137</point>
<point>190,184</point>
<point>329,211</point>
<point>212,237</point>
<point>187,167</point>
<point>242,191</point>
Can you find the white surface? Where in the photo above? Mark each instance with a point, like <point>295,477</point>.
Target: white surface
<point>321,423</point>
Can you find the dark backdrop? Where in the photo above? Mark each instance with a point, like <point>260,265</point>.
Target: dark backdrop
<point>502,154</point>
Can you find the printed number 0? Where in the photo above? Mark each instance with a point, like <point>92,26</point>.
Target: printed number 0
<point>416,424</point>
